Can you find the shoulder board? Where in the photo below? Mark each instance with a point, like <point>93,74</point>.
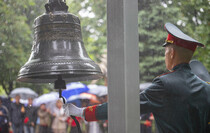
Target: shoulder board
<point>208,82</point>
<point>165,74</point>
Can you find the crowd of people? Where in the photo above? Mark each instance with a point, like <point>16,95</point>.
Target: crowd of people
<point>16,117</point>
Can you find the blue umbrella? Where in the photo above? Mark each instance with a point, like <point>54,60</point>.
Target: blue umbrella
<point>74,88</point>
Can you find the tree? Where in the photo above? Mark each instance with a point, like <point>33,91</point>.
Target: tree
<point>152,17</point>
<point>14,34</point>
<point>92,14</point>
<point>15,40</point>
<point>195,22</point>
<point>191,16</point>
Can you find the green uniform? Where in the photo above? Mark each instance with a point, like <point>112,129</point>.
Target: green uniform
<point>179,101</point>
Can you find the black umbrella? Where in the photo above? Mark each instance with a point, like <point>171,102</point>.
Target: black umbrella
<point>199,69</point>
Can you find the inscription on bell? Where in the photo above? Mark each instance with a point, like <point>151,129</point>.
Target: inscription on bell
<point>58,32</point>
<point>59,35</point>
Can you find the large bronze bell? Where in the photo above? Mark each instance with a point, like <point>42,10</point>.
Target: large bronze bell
<point>58,49</point>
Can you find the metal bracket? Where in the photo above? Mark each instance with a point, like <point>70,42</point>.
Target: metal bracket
<point>56,5</point>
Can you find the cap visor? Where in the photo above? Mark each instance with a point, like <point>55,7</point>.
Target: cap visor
<point>165,44</point>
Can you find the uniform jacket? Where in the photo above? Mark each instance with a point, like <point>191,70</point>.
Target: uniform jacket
<point>179,101</point>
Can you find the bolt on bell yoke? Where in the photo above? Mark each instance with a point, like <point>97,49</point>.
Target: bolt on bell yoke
<point>58,49</point>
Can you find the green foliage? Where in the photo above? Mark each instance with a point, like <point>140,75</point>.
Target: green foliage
<point>151,19</point>
<point>15,39</point>
<point>191,16</point>
<point>92,14</point>
<point>15,35</point>
<point>195,22</point>
<point>2,91</point>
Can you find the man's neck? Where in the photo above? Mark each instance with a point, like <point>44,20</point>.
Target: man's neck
<point>178,61</point>
<point>177,66</point>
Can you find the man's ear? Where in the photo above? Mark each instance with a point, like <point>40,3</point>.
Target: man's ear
<point>172,53</point>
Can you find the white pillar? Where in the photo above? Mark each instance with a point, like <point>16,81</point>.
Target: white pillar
<point>123,66</point>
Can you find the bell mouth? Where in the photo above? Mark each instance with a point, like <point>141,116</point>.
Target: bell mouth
<point>48,71</point>
<point>68,76</point>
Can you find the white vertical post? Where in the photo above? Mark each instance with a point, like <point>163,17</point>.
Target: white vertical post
<point>123,66</point>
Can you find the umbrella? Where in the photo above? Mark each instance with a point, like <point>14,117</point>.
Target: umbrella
<point>99,90</point>
<point>24,93</point>
<point>199,69</point>
<point>93,98</point>
<point>74,89</point>
<point>46,98</point>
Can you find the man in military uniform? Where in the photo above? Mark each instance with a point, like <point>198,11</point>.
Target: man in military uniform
<point>179,100</point>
